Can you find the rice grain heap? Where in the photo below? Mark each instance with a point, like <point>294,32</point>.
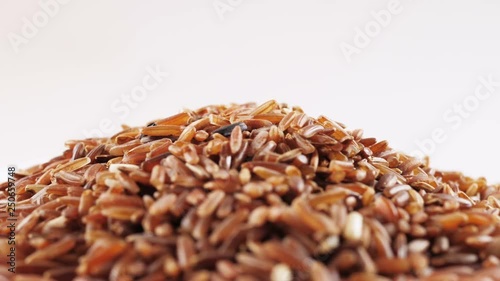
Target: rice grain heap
<point>246,192</point>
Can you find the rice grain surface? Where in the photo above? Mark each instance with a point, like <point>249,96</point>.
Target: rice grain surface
<point>248,192</point>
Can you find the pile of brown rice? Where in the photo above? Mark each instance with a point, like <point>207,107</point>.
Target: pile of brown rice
<point>246,192</point>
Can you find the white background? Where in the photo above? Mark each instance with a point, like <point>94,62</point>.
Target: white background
<point>64,80</point>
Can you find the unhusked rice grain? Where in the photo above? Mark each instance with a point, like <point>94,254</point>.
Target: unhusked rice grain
<point>248,192</point>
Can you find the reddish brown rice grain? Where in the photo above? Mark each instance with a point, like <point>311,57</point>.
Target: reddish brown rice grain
<point>72,165</point>
<point>393,266</point>
<point>236,139</point>
<point>182,118</point>
<point>310,130</point>
<point>54,250</point>
<point>228,226</point>
<point>163,204</point>
<point>70,177</point>
<point>185,251</point>
<point>247,192</point>
<point>211,203</point>
<point>162,130</point>
<point>100,255</point>
<point>256,263</point>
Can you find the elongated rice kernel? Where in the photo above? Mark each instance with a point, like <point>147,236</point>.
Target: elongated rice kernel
<point>117,167</point>
<point>178,119</point>
<point>73,165</point>
<point>59,248</point>
<point>210,204</point>
<point>162,130</point>
<point>236,139</point>
<point>354,227</point>
<point>264,108</point>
